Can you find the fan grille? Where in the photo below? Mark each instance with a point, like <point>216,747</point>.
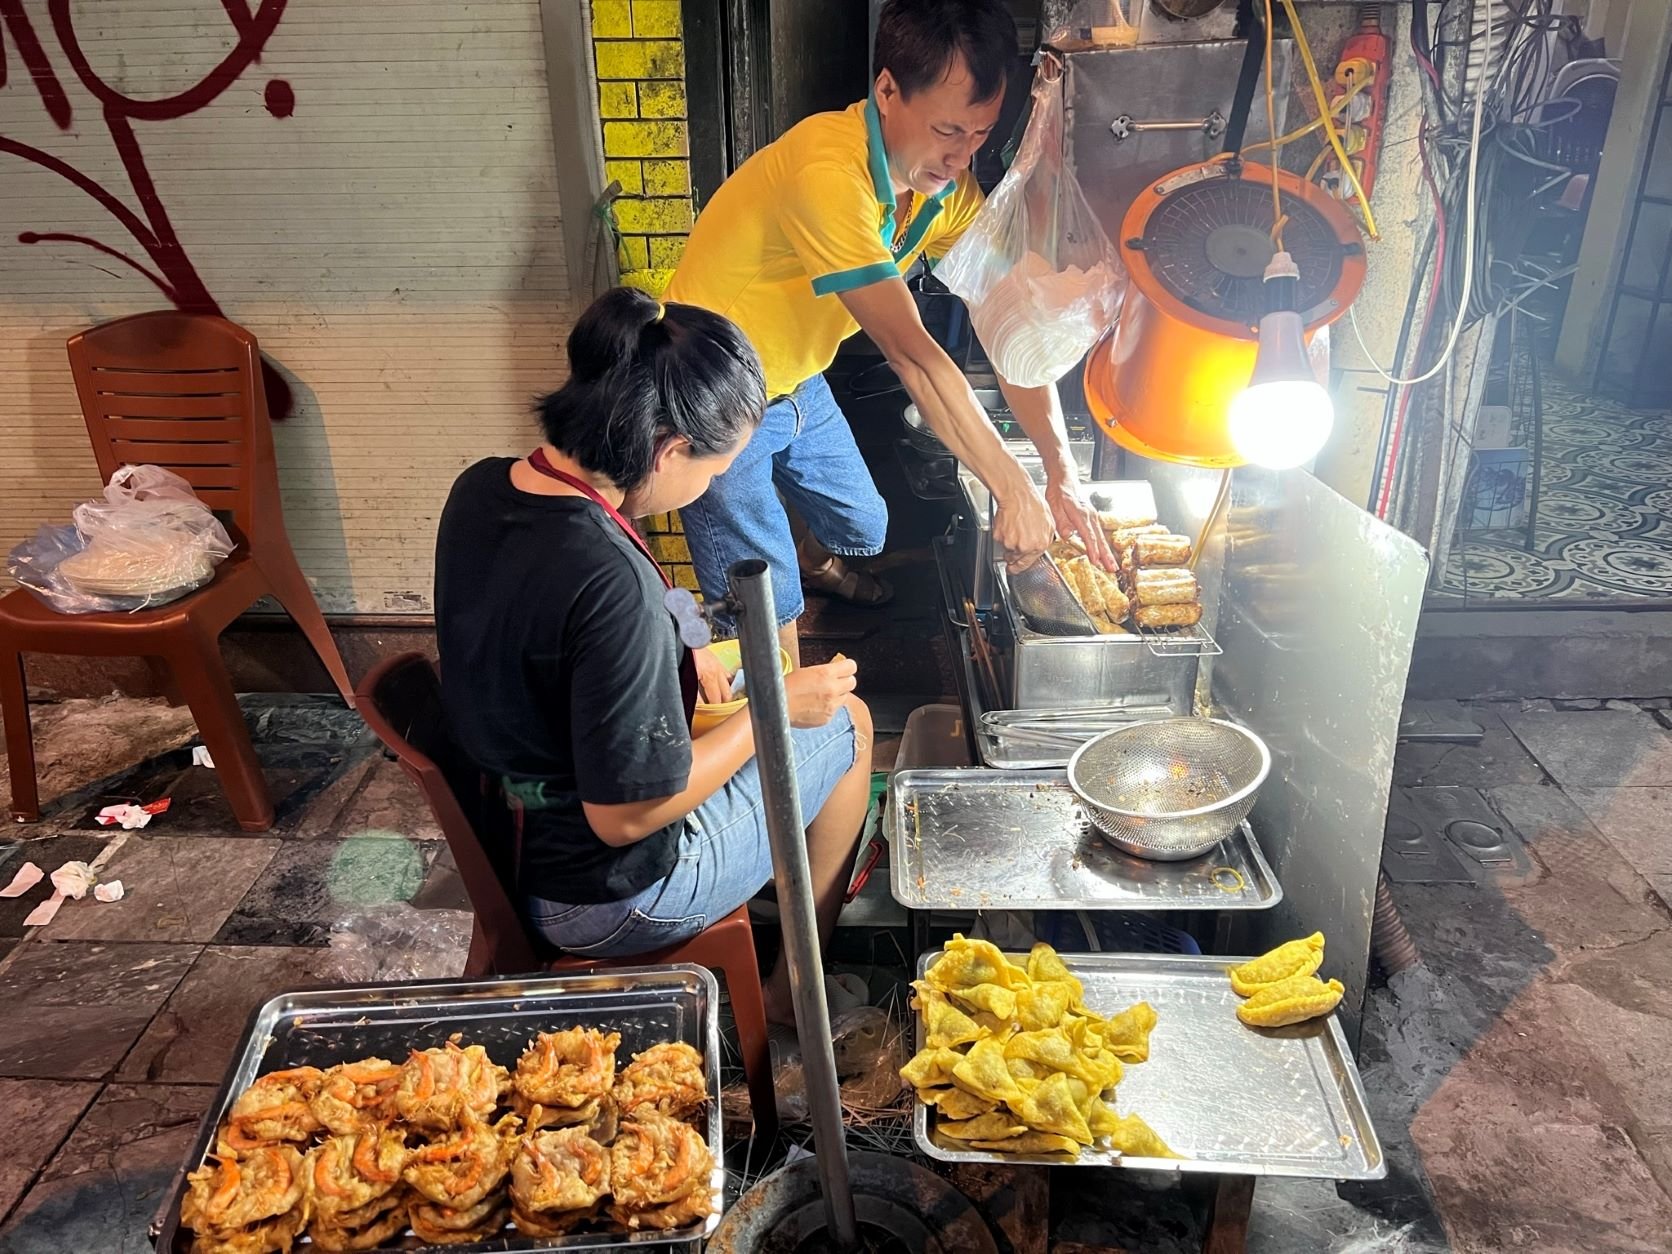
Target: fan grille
<point>1208,243</point>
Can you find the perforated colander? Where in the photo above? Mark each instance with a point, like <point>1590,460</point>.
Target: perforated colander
<point>1170,789</point>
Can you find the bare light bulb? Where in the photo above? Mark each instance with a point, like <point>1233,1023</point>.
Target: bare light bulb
<point>1282,418</point>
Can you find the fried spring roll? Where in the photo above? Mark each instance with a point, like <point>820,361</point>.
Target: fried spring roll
<point>1168,615</point>
<point>1164,585</point>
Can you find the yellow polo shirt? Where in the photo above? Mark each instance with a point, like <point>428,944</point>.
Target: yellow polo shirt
<point>808,216</point>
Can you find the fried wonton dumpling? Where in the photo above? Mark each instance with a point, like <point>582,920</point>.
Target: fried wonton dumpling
<point>969,963</point>
<point>1054,1049</point>
<point>945,1026</point>
<point>1051,1108</point>
<point>1031,1143</point>
<point>1136,1139</point>
<point>1100,1117</point>
<point>998,1125</point>
<point>1044,1003</point>
<point>931,1067</point>
<point>955,1103</point>
<point>982,1071</point>
<point>993,999</point>
<point>1127,1034</point>
<point>1045,965</point>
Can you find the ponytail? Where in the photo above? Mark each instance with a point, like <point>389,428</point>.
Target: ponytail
<point>639,372</point>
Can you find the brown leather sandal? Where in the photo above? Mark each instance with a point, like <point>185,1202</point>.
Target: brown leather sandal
<point>835,578</point>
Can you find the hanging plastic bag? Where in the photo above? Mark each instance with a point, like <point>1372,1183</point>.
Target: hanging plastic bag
<point>148,542</point>
<point>1041,279</point>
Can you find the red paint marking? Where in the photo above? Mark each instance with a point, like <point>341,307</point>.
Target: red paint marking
<point>175,275</point>
<point>280,98</point>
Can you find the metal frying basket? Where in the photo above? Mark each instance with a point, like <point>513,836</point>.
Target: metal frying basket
<point>1170,789</point>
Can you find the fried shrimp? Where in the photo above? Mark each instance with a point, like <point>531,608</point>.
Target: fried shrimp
<point>659,1172</point>
<point>567,1075</point>
<point>565,1170</point>
<point>274,1108</point>
<point>345,1174</point>
<point>249,1203</point>
<point>462,1168</point>
<point>439,1088</point>
<point>668,1078</point>
<point>356,1096</point>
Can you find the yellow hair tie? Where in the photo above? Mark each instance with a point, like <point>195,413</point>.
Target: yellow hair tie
<point>661,311</point>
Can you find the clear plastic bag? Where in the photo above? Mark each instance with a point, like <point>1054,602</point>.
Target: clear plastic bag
<point>148,542</point>
<point>1042,281</point>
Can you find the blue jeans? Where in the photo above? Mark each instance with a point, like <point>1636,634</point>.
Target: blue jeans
<point>803,449</point>
<point>724,859</point>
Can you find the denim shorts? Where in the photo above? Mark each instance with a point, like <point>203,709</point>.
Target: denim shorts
<point>724,859</point>
<point>804,450</point>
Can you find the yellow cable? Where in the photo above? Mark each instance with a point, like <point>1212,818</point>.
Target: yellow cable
<point>1271,129</point>
<point>1300,132</point>
<point>1324,112</point>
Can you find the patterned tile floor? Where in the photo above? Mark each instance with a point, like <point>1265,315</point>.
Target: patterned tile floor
<point>1605,515</point>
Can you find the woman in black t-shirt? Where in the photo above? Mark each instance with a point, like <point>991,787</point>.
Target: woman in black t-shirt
<point>563,674</point>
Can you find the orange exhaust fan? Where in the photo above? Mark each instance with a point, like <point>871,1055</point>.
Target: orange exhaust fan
<point>1196,245</point>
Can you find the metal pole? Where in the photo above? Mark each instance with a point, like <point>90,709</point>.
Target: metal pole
<point>757,629</point>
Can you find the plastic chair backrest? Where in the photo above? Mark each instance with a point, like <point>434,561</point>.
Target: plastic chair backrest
<point>401,701</point>
<point>182,391</point>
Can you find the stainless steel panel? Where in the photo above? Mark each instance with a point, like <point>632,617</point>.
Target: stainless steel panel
<point>976,839</point>
<point>1233,1100</point>
<point>646,1005</point>
<point>1317,619</point>
<point>1154,82</point>
<point>1049,672</point>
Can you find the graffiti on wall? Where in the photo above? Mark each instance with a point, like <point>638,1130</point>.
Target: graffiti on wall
<point>166,263</point>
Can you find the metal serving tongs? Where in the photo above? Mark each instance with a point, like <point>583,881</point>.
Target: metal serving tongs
<point>1065,728</point>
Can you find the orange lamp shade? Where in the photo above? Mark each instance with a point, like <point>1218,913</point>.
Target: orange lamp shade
<point>1195,246</point>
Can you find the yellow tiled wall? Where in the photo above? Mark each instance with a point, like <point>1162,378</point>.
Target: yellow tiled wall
<point>640,58</point>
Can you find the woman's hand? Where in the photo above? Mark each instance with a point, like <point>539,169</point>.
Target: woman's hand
<point>1073,517</point>
<point>815,693</point>
<point>713,680</point>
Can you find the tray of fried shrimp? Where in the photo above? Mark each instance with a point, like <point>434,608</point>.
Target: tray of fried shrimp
<point>568,1111</point>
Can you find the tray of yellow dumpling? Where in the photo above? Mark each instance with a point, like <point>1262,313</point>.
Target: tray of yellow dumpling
<point>1127,1060</point>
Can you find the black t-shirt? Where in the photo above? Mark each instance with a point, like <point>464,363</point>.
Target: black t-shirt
<point>560,671</point>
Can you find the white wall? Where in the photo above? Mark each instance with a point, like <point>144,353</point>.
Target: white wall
<point>394,243</point>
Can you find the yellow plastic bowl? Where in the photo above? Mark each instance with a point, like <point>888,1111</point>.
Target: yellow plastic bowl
<point>707,717</point>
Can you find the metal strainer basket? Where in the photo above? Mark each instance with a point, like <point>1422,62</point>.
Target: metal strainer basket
<point>1170,789</point>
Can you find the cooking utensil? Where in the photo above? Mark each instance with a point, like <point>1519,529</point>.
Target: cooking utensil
<point>1170,789</point>
<point>967,838</point>
<point>1044,599</point>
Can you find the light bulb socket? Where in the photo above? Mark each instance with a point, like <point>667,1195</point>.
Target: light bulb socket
<point>1280,290</point>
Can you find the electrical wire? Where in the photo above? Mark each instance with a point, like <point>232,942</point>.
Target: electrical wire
<point>1472,206</point>
<point>1271,129</point>
<point>1324,113</point>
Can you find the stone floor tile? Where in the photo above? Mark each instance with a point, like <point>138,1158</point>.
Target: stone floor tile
<point>295,774</point>
<point>193,1039</point>
<point>309,886</point>
<point>443,888</point>
<point>35,1117</point>
<point>320,815</point>
<point>388,802</point>
<point>81,741</point>
<point>1636,821</point>
<point>1596,749</point>
<point>74,1008</point>
<point>1499,758</point>
<point>134,1127</point>
<point>48,851</point>
<point>176,888</point>
<point>1524,1153</point>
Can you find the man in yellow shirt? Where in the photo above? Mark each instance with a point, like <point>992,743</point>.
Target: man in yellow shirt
<point>805,244</point>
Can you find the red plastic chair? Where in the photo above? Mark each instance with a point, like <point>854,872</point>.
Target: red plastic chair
<point>400,699</point>
<point>181,391</point>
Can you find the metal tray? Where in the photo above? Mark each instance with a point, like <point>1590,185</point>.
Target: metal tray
<point>1233,1100</point>
<point>646,1005</point>
<point>977,839</point>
